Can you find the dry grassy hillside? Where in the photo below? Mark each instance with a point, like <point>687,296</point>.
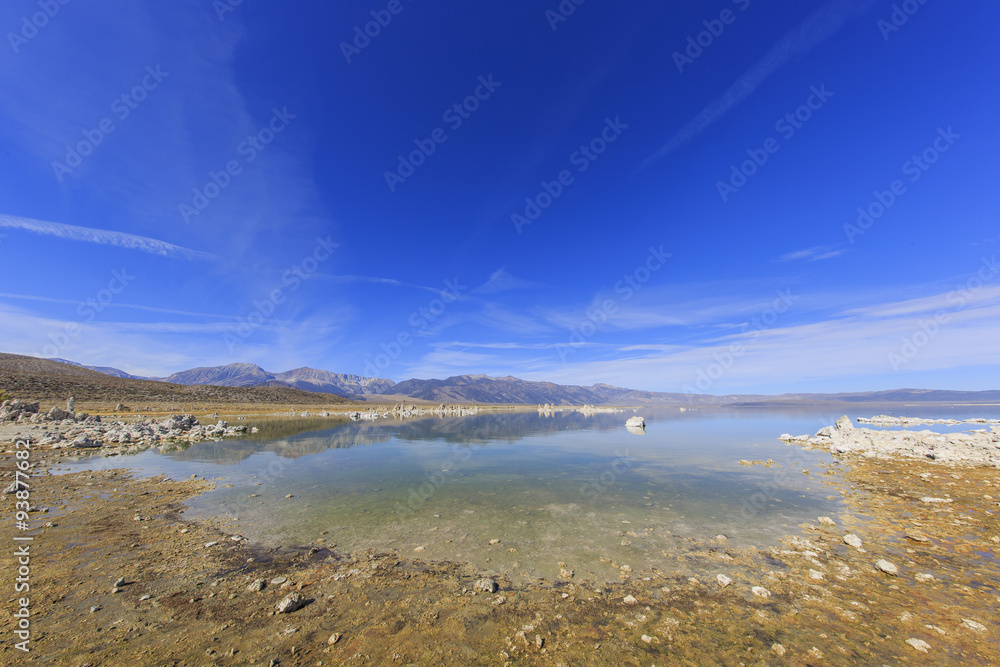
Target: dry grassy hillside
<point>51,383</point>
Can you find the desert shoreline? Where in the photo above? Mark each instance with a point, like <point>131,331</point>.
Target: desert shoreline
<point>196,593</point>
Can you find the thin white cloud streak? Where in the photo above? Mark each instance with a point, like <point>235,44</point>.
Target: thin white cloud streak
<point>348,279</point>
<point>814,254</point>
<point>930,304</point>
<point>150,309</point>
<point>816,29</point>
<point>102,237</point>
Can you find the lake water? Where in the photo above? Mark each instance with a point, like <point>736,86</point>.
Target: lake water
<point>560,487</point>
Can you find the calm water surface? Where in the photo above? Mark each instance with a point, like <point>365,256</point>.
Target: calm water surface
<point>562,487</point>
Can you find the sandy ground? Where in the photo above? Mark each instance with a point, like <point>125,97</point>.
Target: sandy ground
<point>185,597</point>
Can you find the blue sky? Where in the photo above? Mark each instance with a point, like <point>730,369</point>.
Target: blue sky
<point>660,195</point>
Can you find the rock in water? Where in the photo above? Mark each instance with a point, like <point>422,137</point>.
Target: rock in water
<point>290,603</point>
<point>760,592</point>
<point>887,567</point>
<point>723,580</point>
<point>636,422</point>
<point>485,586</point>
<point>973,625</point>
<point>918,644</point>
<point>852,540</point>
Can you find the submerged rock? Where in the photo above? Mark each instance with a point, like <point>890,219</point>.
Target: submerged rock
<point>887,567</point>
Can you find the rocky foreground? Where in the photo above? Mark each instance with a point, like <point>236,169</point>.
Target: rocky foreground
<point>980,447</point>
<point>65,429</point>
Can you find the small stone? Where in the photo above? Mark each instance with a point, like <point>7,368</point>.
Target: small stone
<point>145,597</point>
<point>778,649</point>
<point>761,592</point>
<point>816,653</point>
<point>918,644</point>
<point>816,574</point>
<point>629,599</point>
<point>923,577</point>
<point>565,574</point>
<point>485,585</point>
<point>928,499</point>
<point>723,580</point>
<point>277,581</point>
<point>257,586</point>
<point>539,642</point>
<point>852,540</point>
<point>120,582</point>
<point>334,638</point>
<point>887,567</point>
<point>288,495</point>
<point>494,541</point>
<point>420,548</point>
<point>826,521</point>
<point>96,608</point>
<point>973,625</point>
<point>291,602</point>
<point>647,639</point>
<point>721,538</point>
<point>916,537</point>
<point>210,544</point>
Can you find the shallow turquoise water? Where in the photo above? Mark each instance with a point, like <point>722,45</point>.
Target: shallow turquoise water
<point>560,488</point>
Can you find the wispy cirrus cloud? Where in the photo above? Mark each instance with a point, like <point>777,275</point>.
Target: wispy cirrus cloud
<point>813,254</point>
<point>131,306</point>
<point>803,38</point>
<point>103,237</point>
<point>372,280</point>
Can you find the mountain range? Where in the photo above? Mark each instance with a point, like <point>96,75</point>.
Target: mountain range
<point>512,390</point>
